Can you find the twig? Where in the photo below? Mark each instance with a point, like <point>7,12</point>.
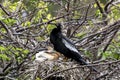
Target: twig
<point>6,12</point>
<point>104,15</point>
<point>108,43</point>
<point>82,21</point>
<point>107,6</point>
<point>107,28</point>
<point>39,24</point>
<point>8,30</point>
<point>106,74</point>
<point>7,66</point>
<point>100,8</point>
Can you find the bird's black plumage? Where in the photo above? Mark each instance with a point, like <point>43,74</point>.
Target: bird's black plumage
<point>65,46</point>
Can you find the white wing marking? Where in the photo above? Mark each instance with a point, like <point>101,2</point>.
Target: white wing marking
<point>70,46</point>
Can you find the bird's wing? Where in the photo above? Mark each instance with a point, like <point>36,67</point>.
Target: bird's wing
<point>69,44</point>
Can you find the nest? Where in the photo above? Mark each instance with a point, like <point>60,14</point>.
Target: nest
<point>57,70</point>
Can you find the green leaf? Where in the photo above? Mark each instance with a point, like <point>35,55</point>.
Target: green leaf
<point>116,56</point>
<point>38,78</point>
<point>27,23</point>
<point>80,35</point>
<point>50,27</point>
<point>2,48</point>
<point>4,57</point>
<point>103,1</point>
<point>25,51</point>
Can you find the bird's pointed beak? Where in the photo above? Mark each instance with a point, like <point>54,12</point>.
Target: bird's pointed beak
<point>53,24</point>
<point>58,25</point>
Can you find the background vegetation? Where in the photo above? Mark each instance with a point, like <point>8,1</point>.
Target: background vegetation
<point>93,26</point>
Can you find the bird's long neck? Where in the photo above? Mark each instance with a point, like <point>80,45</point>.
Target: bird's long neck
<point>59,28</point>
<point>55,31</point>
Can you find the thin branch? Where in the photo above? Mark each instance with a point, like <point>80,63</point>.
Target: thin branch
<point>82,21</point>
<point>104,15</point>
<point>107,6</point>
<point>6,12</point>
<point>109,28</point>
<point>100,8</point>
<point>8,30</point>
<point>111,38</point>
<point>106,74</point>
<point>40,24</point>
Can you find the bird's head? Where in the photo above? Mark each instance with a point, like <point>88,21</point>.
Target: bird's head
<point>58,25</point>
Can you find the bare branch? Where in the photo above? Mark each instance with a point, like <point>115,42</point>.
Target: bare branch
<point>107,6</point>
<point>6,12</point>
<point>85,17</point>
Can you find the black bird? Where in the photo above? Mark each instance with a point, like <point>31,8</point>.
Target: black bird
<point>65,46</point>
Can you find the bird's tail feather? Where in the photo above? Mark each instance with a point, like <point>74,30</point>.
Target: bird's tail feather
<point>85,63</point>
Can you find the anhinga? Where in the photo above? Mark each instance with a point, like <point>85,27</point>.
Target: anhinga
<point>65,46</point>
